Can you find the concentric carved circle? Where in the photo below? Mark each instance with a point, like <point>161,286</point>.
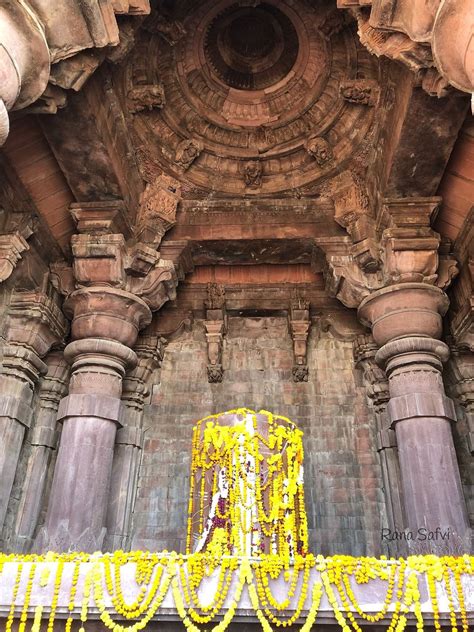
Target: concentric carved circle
<point>251,48</point>
<point>254,103</point>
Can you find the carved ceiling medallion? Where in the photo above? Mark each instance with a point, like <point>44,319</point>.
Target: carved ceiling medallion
<point>251,83</point>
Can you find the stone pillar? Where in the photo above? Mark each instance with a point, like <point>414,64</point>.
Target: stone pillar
<point>129,442</point>
<point>43,440</point>
<point>406,321</point>
<point>34,324</point>
<point>111,292</point>
<point>376,382</point>
<point>105,323</point>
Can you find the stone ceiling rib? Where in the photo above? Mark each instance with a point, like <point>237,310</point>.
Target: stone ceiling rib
<point>32,159</point>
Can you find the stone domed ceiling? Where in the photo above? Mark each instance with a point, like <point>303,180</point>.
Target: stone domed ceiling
<point>251,98</point>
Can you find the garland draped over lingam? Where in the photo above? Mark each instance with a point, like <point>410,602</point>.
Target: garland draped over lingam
<point>246,494</point>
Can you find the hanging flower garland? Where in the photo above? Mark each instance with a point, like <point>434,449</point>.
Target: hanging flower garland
<point>96,581</point>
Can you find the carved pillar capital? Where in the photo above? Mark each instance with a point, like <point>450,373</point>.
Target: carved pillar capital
<point>405,249</point>
<point>405,309</point>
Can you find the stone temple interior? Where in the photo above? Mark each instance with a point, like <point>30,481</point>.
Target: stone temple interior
<point>222,204</point>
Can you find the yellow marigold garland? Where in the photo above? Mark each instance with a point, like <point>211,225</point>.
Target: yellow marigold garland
<point>157,574</point>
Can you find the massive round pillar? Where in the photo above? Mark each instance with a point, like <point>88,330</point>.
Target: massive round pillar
<point>406,321</point>
<point>105,325</point>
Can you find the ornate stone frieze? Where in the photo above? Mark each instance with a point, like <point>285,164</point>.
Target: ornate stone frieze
<point>299,322</point>
<point>255,123</point>
<point>216,328</point>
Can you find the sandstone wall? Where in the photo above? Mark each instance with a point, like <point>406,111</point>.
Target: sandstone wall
<point>343,482</point>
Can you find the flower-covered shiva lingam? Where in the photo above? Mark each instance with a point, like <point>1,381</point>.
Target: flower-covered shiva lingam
<point>247,494</point>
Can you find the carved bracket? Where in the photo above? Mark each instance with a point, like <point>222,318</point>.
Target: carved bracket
<point>11,248</point>
<point>299,322</point>
<point>216,328</point>
<point>157,212</point>
<point>402,248</point>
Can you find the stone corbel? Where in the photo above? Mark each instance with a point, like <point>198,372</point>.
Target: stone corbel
<point>157,212</point>
<point>12,246</point>
<point>352,212</point>
<point>345,281</point>
<point>180,252</point>
<point>216,328</point>
<point>299,322</point>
